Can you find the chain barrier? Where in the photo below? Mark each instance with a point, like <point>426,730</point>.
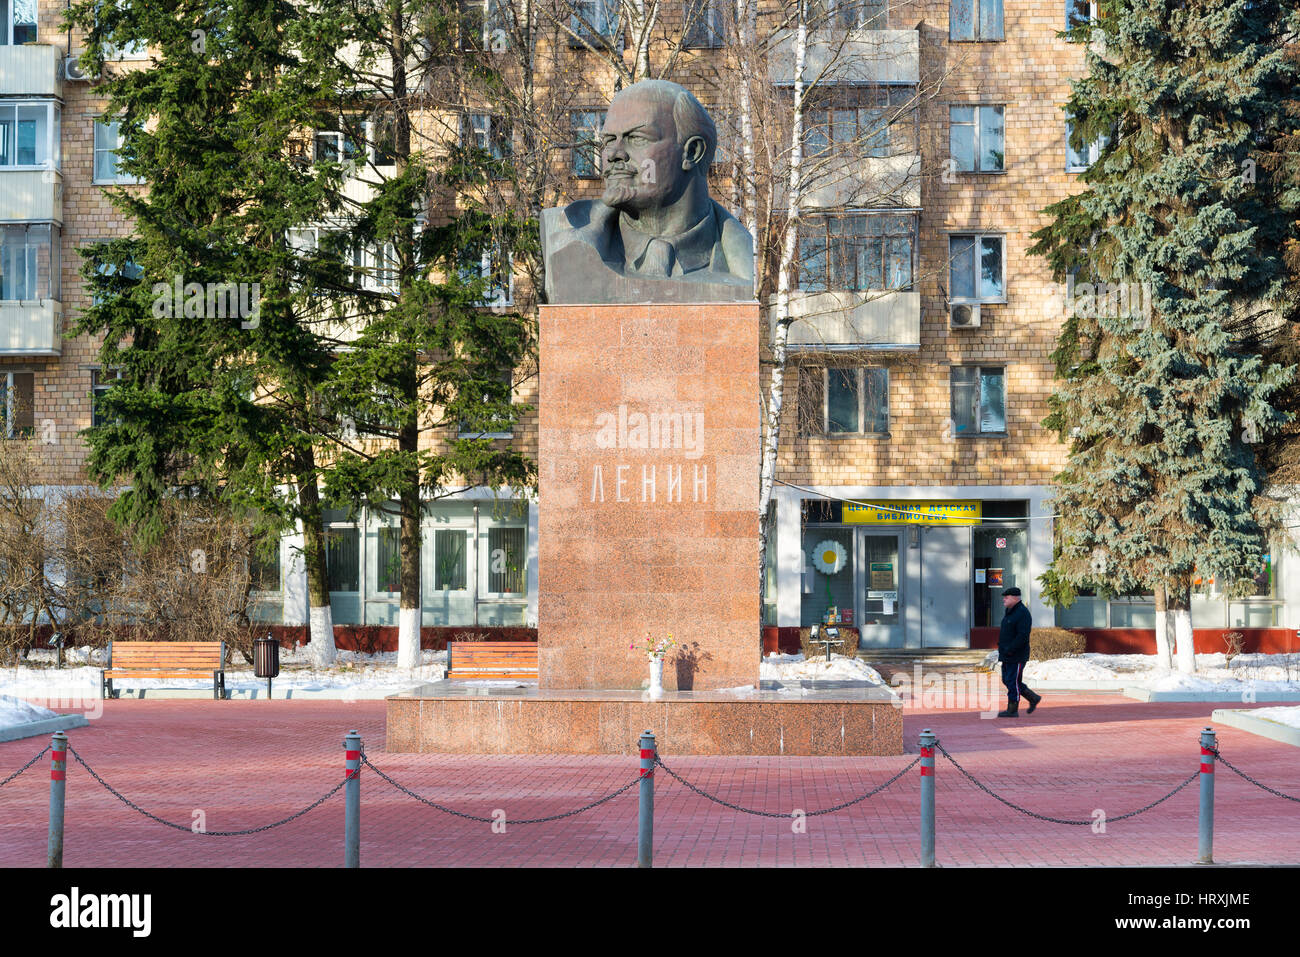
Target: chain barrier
<point>1242,774</point>
<point>187,828</point>
<point>24,767</point>
<point>1059,820</point>
<point>745,810</point>
<point>491,820</point>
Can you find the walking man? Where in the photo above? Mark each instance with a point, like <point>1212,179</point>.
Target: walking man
<point>1013,652</point>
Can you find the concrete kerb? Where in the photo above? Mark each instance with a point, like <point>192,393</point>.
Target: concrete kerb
<point>1235,697</point>
<point>32,729</point>
<point>1246,721</point>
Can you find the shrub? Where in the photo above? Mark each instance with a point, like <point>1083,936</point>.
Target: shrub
<point>1235,641</point>
<point>1048,643</point>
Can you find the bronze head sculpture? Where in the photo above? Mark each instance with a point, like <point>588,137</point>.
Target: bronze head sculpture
<point>655,235</point>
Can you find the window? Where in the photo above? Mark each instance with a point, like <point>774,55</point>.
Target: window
<point>370,267</point>
<point>978,400</point>
<point>17,22</point>
<point>486,132</point>
<point>858,252</point>
<point>1079,13</point>
<point>108,145</point>
<point>17,403</point>
<point>593,19</point>
<point>704,23</point>
<point>100,382</point>
<point>585,125</point>
<point>134,50</point>
<point>857,121</point>
<point>449,551</point>
<point>495,267</point>
<point>342,551</point>
<point>29,133</point>
<point>333,144</point>
<point>130,270</point>
<point>388,556</point>
<point>381,131</point>
<point>848,14</point>
<point>975,20</point>
<point>506,560</point>
<point>857,401</point>
<point>1076,161</point>
<point>483,25</point>
<point>264,569</point>
<point>29,263</point>
<point>975,268</point>
<point>975,138</point>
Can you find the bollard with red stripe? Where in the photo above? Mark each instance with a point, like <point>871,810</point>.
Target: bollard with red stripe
<point>928,740</point>
<point>58,782</point>
<point>645,831</point>
<point>352,800</point>
<point>1205,848</point>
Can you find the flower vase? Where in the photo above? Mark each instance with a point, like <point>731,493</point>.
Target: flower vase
<point>656,676</point>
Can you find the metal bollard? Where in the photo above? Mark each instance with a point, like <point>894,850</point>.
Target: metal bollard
<point>1205,843</point>
<point>352,800</point>
<point>58,781</point>
<point>927,797</point>
<point>645,828</point>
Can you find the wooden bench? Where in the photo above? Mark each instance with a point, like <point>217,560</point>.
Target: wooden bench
<point>467,660</point>
<point>165,659</point>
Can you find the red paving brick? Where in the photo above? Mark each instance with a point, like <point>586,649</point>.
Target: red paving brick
<point>246,764</point>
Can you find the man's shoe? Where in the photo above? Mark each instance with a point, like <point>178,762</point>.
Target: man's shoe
<point>1009,713</point>
<point>1033,702</point>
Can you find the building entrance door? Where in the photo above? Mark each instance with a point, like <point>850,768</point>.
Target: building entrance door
<point>880,594</point>
<point>945,586</point>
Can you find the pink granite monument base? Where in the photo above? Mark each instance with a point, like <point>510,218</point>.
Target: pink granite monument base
<point>648,453</point>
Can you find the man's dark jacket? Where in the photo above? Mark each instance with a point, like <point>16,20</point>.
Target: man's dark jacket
<point>1013,637</point>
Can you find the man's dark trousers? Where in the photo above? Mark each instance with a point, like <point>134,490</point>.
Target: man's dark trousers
<point>1013,673</point>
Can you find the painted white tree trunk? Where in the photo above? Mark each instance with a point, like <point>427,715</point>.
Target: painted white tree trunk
<point>1183,640</point>
<point>1163,657</point>
<point>408,637</point>
<point>320,650</point>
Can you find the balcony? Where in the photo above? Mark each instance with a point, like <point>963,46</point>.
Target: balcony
<point>31,328</point>
<point>844,319</point>
<point>863,57</point>
<point>31,195</point>
<point>31,69</point>
<point>845,181</point>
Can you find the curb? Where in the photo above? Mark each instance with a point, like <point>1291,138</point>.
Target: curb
<point>1232,697</point>
<point>1245,721</point>
<point>32,729</point>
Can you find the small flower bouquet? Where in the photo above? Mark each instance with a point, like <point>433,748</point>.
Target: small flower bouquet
<point>654,647</point>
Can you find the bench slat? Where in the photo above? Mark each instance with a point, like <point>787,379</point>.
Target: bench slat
<point>493,659</point>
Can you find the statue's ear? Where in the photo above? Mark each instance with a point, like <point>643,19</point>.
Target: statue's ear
<point>693,151</point>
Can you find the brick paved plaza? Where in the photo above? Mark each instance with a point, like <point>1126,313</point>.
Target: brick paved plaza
<point>244,764</point>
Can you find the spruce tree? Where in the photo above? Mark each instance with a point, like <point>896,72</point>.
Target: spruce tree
<point>212,400</point>
<point>1162,405</point>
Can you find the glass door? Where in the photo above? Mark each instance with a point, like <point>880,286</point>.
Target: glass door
<point>880,589</point>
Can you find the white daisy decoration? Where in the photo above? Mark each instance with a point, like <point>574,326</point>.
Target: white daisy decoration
<point>829,557</point>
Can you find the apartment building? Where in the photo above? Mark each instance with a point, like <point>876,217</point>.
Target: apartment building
<point>913,472</point>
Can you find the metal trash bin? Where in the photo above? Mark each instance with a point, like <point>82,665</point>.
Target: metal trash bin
<point>266,660</point>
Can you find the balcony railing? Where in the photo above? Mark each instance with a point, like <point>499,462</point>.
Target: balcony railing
<point>864,57</point>
<point>31,69</point>
<point>844,319</point>
<point>31,328</point>
<point>31,195</point>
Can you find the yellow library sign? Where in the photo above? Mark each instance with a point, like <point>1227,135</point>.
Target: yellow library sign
<point>948,512</point>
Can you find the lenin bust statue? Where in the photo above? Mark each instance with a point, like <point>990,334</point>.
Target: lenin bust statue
<point>655,235</point>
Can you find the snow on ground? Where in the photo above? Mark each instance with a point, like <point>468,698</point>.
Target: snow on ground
<point>1287,716</point>
<point>14,712</point>
<point>778,667</point>
<point>1213,672</point>
<point>80,677</point>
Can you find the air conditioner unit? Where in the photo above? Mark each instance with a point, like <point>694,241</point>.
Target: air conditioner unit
<point>73,72</point>
<point>963,315</point>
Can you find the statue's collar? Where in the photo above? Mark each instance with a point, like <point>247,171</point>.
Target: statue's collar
<point>692,249</point>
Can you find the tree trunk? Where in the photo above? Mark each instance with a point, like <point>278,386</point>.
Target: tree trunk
<point>408,613</point>
<point>1163,623</point>
<point>1180,605</point>
<point>320,647</point>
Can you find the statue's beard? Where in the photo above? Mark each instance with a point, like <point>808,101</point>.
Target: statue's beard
<point>619,193</point>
